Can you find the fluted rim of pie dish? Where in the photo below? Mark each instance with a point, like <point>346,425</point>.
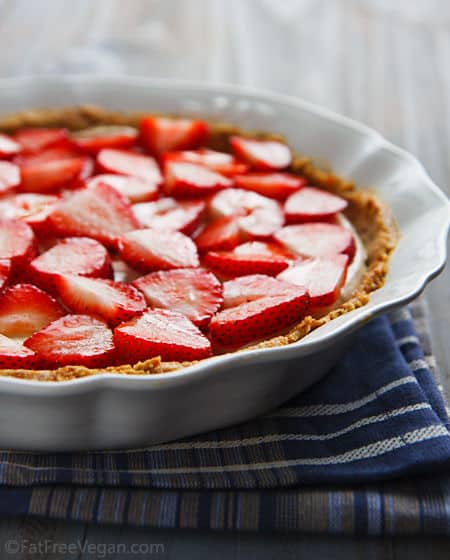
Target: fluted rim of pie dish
<point>319,338</point>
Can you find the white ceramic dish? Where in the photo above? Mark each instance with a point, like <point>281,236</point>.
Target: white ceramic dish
<point>112,411</point>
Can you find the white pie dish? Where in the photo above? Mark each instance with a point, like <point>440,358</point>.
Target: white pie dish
<point>112,410</point>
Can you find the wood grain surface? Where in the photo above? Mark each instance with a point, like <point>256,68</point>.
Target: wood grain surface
<point>383,62</point>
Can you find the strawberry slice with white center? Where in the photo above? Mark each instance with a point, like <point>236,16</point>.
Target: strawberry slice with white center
<point>258,319</point>
<point>123,162</point>
<point>160,332</point>
<point>33,209</point>
<point>323,277</point>
<point>220,162</point>
<point>193,292</point>
<point>313,205</point>
<point>160,134</point>
<point>224,233</point>
<point>189,180</point>
<point>38,139</point>
<point>8,146</point>
<point>15,356</point>
<point>150,249</point>
<point>74,340</point>
<point>99,212</point>
<point>250,258</point>
<point>73,255</point>
<point>17,243</point>
<point>113,301</point>
<point>25,309</point>
<point>9,176</point>
<point>273,185</point>
<point>252,287</point>
<point>96,138</point>
<point>50,175</point>
<point>260,216</point>
<point>263,155</point>
<point>133,188</point>
<point>5,271</point>
<point>168,214</point>
<point>48,155</point>
<point>317,240</point>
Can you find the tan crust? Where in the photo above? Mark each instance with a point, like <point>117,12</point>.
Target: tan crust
<point>371,218</point>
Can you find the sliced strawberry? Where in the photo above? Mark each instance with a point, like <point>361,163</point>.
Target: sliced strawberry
<point>193,292</point>
<point>220,162</point>
<point>160,332</point>
<point>30,208</point>
<point>25,309</point>
<point>73,255</point>
<point>261,154</point>
<point>133,188</point>
<point>8,146</point>
<point>54,175</point>
<point>17,243</point>
<point>168,214</point>
<point>113,301</point>
<point>223,233</point>
<point>5,271</point>
<point>313,205</point>
<point>260,216</point>
<point>15,356</point>
<point>92,140</point>
<point>149,249</point>
<point>9,176</point>
<point>37,139</point>
<point>123,162</point>
<point>48,155</point>
<point>252,287</point>
<point>317,240</point>
<point>189,180</point>
<point>255,257</point>
<point>323,277</point>
<point>74,340</point>
<point>257,319</point>
<point>160,134</point>
<point>99,212</point>
<point>273,185</point>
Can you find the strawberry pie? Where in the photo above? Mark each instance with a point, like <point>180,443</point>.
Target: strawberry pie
<point>139,244</point>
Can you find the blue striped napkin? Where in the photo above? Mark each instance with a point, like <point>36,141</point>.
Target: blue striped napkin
<point>324,462</point>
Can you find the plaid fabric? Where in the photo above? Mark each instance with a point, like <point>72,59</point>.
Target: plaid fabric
<point>309,466</point>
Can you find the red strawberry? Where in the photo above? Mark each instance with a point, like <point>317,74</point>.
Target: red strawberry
<point>30,208</point>
<point>74,340</point>
<point>317,240</point>
<point>159,332</point>
<point>223,233</point>
<point>260,216</point>
<point>9,176</point>
<point>133,188</point>
<point>48,155</point>
<point>17,243</point>
<point>250,258</point>
<point>92,140</point>
<point>257,319</point>
<point>25,309</point>
<point>273,185</point>
<point>193,292</point>
<point>261,154</point>
<point>99,212</point>
<point>252,287</point>
<point>113,301</point>
<point>54,175</point>
<point>5,270</point>
<point>37,139</point>
<point>168,214</point>
<point>123,162</point>
<point>15,356</point>
<point>188,179</point>
<point>313,205</point>
<point>160,134</point>
<point>8,146</point>
<point>73,255</point>
<point>222,163</point>
<point>149,249</point>
<point>323,277</point>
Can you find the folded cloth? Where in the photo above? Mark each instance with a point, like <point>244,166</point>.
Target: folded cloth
<point>319,463</point>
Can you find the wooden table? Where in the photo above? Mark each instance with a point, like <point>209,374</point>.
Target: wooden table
<point>383,62</point>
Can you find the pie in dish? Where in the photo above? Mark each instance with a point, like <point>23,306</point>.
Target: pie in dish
<point>141,243</point>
